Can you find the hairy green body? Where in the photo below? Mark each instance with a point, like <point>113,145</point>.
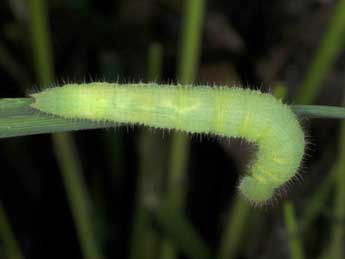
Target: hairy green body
<point>228,112</point>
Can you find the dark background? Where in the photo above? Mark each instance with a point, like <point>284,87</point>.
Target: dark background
<point>254,43</point>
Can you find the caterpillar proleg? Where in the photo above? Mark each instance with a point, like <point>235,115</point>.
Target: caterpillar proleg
<point>228,112</point>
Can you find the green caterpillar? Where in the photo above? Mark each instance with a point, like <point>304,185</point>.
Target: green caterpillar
<point>228,112</point>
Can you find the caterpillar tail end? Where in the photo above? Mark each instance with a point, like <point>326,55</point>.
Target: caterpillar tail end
<point>254,191</point>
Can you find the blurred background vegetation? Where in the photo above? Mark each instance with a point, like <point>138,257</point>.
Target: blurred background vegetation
<point>134,193</point>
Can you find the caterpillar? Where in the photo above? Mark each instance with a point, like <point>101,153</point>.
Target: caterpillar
<point>227,112</point>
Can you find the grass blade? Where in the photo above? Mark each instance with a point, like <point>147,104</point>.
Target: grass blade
<point>64,148</point>
<point>187,67</point>
<point>10,245</point>
<point>338,228</point>
<point>180,232</point>
<point>145,241</point>
<point>18,119</point>
<point>295,244</point>
<point>331,45</point>
<point>319,111</point>
<point>235,229</point>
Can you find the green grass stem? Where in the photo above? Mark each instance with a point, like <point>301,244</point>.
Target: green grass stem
<point>187,69</point>
<point>10,245</point>
<point>332,43</point>
<point>294,241</point>
<point>65,150</point>
<point>191,41</point>
<point>145,241</point>
<point>235,229</point>
<point>77,193</point>
<point>41,43</point>
<point>326,55</point>
<point>319,111</point>
<point>318,201</point>
<point>337,250</point>
<point>181,233</point>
